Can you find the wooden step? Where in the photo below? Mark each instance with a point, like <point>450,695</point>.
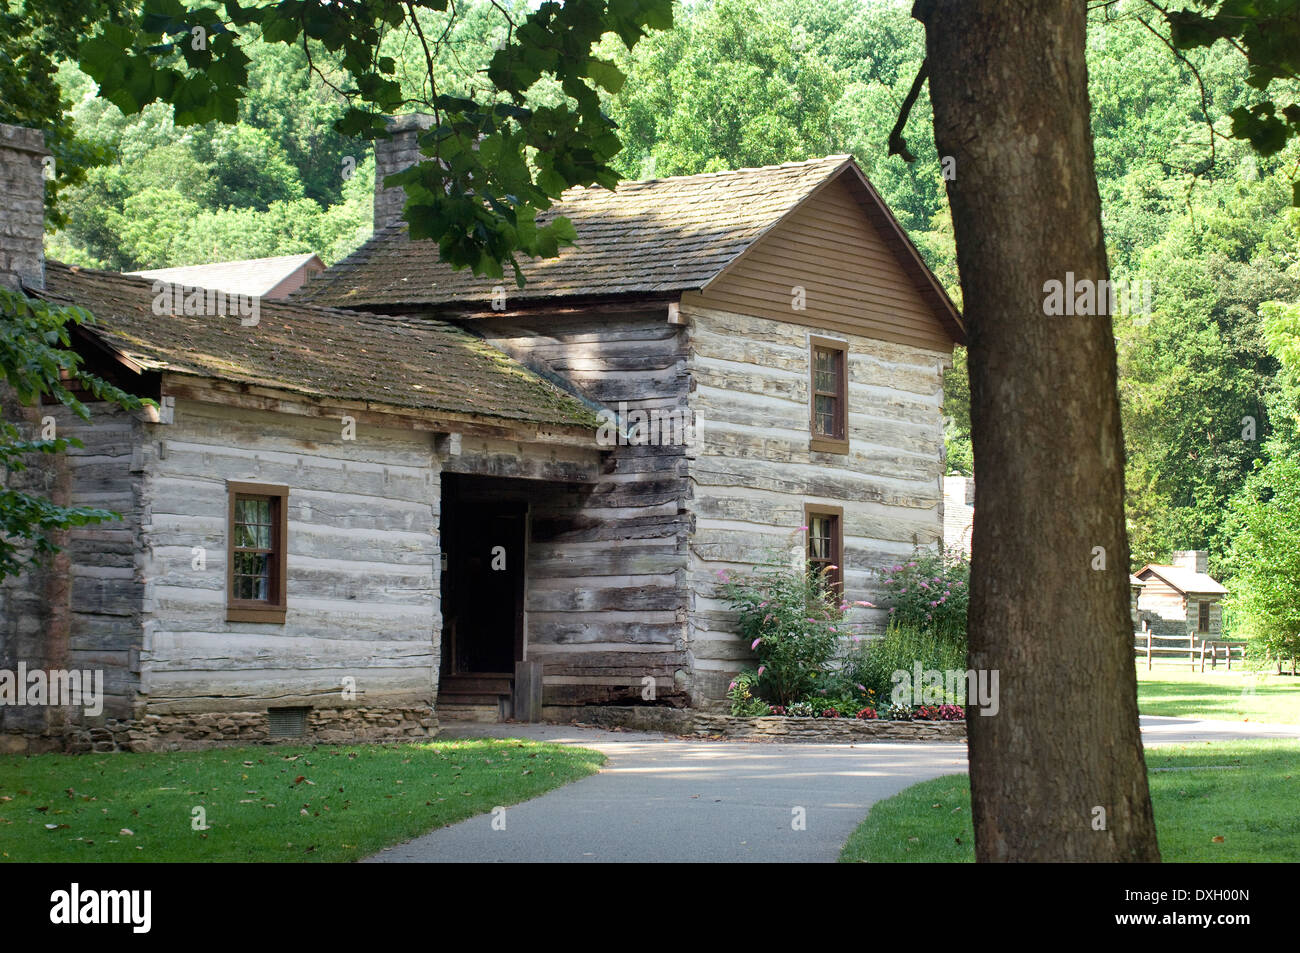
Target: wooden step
<point>477,683</point>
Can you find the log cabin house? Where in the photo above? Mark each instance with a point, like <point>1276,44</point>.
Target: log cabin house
<point>404,488</point>
<point>1181,598</point>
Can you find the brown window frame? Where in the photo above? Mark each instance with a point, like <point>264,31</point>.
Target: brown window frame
<point>274,607</point>
<point>1202,615</point>
<point>839,441</point>
<point>836,515</point>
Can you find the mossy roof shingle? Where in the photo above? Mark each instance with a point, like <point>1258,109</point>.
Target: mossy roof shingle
<point>318,352</point>
<point>655,236</point>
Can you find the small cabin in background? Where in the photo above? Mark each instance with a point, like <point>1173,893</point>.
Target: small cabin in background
<point>273,278</point>
<point>1181,598</point>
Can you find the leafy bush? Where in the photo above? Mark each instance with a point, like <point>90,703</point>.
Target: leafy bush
<point>800,710</point>
<point>872,664</point>
<point>743,702</point>
<point>899,712</point>
<point>929,592</point>
<point>790,618</point>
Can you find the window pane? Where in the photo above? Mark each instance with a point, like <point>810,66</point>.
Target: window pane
<point>826,368</point>
<point>252,576</point>
<point>819,538</point>
<point>825,416</point>
<point>253,523</point>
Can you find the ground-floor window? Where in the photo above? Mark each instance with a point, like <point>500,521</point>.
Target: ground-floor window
<point>826,541</point>
<point>257,552</point>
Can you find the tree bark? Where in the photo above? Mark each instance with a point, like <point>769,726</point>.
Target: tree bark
<point>1008,82</point>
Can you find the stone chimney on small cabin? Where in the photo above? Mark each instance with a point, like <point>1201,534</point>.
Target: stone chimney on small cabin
<point>1197,560</point>
<point>22,206</point>
<point>399,151</point>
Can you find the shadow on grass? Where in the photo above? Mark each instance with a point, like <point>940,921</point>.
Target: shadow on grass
<point>1242,792</point>
<point>1227,696</point>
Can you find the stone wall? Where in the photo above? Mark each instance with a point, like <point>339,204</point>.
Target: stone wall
<point>217,729</point>
<point>772,728</point>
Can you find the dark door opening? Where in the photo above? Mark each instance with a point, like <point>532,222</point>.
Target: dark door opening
<point>482,585</point>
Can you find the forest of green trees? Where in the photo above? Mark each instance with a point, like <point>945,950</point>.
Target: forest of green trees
<point>1210,378</point>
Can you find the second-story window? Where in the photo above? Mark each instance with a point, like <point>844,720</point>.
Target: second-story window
<point>829,386</point>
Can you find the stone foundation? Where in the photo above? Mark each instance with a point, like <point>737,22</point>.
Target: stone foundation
<point>772,727</point>
<point>181,732</point>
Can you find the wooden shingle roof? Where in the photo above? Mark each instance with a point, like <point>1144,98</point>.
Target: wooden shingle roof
<point>657,236</point>
<point>418,363</point>
<point>251,276</point>
<point>1185,580</point>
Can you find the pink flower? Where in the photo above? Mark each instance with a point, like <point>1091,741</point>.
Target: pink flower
<point>732,686</point>
<point>869,605</point>
<point>762,669</point>
<point>753,645</point>
<point>722,574</point>
<point>767,617</point>
<point>803,529</point>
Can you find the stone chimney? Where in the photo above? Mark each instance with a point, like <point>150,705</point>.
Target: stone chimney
<point>22,206</point>
<point>399,151</point>
<point>1197,560</point>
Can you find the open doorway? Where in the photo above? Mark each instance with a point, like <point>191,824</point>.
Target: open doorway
<point>483,544</point>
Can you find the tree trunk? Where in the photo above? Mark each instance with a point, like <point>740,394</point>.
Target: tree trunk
<point>1058,772</point>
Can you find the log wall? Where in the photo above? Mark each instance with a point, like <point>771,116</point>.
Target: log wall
<point>362,580</point>
<point>606,597</point>
<point>754,471</point>
<point>82,611</point>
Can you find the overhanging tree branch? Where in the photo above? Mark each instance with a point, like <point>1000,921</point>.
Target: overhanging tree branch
<point>897,144</point>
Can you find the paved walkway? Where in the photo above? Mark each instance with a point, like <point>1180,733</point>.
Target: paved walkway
<point>663,799</point>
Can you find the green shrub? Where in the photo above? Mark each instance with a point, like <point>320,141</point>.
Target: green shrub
<point>872,663</point>
<point>791,620</point>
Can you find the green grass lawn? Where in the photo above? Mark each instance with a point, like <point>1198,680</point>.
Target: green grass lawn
<point>1226,696</point>
<point>1241,791</point>
<point>265,803</point>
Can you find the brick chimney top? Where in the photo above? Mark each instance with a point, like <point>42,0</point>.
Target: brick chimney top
<point>398,152</point>
<point>22,204</point>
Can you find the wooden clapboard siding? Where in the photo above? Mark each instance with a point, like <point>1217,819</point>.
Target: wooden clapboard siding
<point>852,279</point>
<point>362,580</point>
<point>605,599</point>
<point>754,471</point>
<point>1160,597</point>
